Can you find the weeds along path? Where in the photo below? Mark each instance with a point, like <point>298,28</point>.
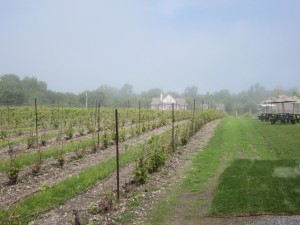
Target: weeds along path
<point>174,173</point>
<point>144,196</point>
<point>84,203</point>
<point>51,173</point>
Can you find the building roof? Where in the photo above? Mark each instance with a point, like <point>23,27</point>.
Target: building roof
<point>178,101</point>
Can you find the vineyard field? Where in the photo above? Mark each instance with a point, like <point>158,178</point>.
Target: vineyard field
<point>48,156</point>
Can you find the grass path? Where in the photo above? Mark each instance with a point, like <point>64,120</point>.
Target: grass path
<point>234,175</point>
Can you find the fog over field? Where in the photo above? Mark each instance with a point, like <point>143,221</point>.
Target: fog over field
<point>167,44</point>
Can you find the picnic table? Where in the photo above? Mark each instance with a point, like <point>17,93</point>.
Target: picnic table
<point>265,116</point>
<point>285,118</point>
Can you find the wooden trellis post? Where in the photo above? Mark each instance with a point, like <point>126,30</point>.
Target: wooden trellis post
<point>117,155</point>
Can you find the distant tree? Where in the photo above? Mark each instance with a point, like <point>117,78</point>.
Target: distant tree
<point>126,91</point>
<point>11,90</point>
<point>191,92</point>
<point>173,94</point>
<point>152,93</point>
<point>295,93</point>
<point>35,89</point>
<point>146,96</point>
<point>93,97</point>
<point>107,94</point>
<point>125,94</point>
<point>31,83</point>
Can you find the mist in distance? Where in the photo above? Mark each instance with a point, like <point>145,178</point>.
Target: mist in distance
<point>214,45</point>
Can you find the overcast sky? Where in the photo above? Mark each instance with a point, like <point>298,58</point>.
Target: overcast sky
<point>77,45</point>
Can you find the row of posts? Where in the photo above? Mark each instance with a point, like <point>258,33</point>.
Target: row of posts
<point>117,134</point>
<point>117,141</point>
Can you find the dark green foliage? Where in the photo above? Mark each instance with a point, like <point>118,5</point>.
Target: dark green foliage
<point>69,133</point>
<point>3,134</point>
<point>105,140</point>
<point>56,124</point>
<point>61,161</point>
<point>79,151</point>
<point>163,121</point>
<point>185,136</point>
<point>12,170</point>
<point>43,140</point>
<point>89,127</point>
<point>122,136</point>
<point>37,167</point>
<point>141,171</point>
<point>156,160</point>
<point>81,131</point>
<point>31,141</point>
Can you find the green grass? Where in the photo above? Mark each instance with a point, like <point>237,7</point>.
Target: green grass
<point>258,187</point>
<point>204,166</point>
<point>261,173</point>
<point>282,140</point>
<point>268,185</point>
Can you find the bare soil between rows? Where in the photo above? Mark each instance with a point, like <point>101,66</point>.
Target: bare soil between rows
<point>52,173</point>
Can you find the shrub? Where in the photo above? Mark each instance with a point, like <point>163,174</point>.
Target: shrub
<point>89,127</point>
<point>122,136</point>
<point>69,133</point>
<point>31,140</point>
<point>163,121</point>
<point>105,140</point>
<point>3,134</point>
<point>37,167</point>
<point>43,140</point>
<point>78,151</point>
<point>12,170</point>
<point>184,137</point>
<point>61,160</point>
<point>141,170</point>
<point>81,131</point>
<point>156,160</point>
<point>56,124</point>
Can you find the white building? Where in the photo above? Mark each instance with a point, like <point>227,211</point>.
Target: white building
<point>166,103</point>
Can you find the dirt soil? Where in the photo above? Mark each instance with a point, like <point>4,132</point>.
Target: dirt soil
<point>159,184</point>
<point>52,173</point>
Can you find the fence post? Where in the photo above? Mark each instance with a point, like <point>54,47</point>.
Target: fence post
<point>194,107</point>
<point>139,116</point>
<point>117,155</point>
<point>98,124</point>
<point>173,121</point>
<point>36,121</point>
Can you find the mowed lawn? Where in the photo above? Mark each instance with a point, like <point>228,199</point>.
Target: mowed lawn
<point>250,167</point>
<point>267,182</point>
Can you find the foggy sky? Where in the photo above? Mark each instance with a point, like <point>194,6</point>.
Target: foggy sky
<point>77,45</point>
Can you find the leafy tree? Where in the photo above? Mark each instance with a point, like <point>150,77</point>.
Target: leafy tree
<point>11,90</point>
<point>191,91</point>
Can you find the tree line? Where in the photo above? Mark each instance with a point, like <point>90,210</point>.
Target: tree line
<point>17,91</point>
